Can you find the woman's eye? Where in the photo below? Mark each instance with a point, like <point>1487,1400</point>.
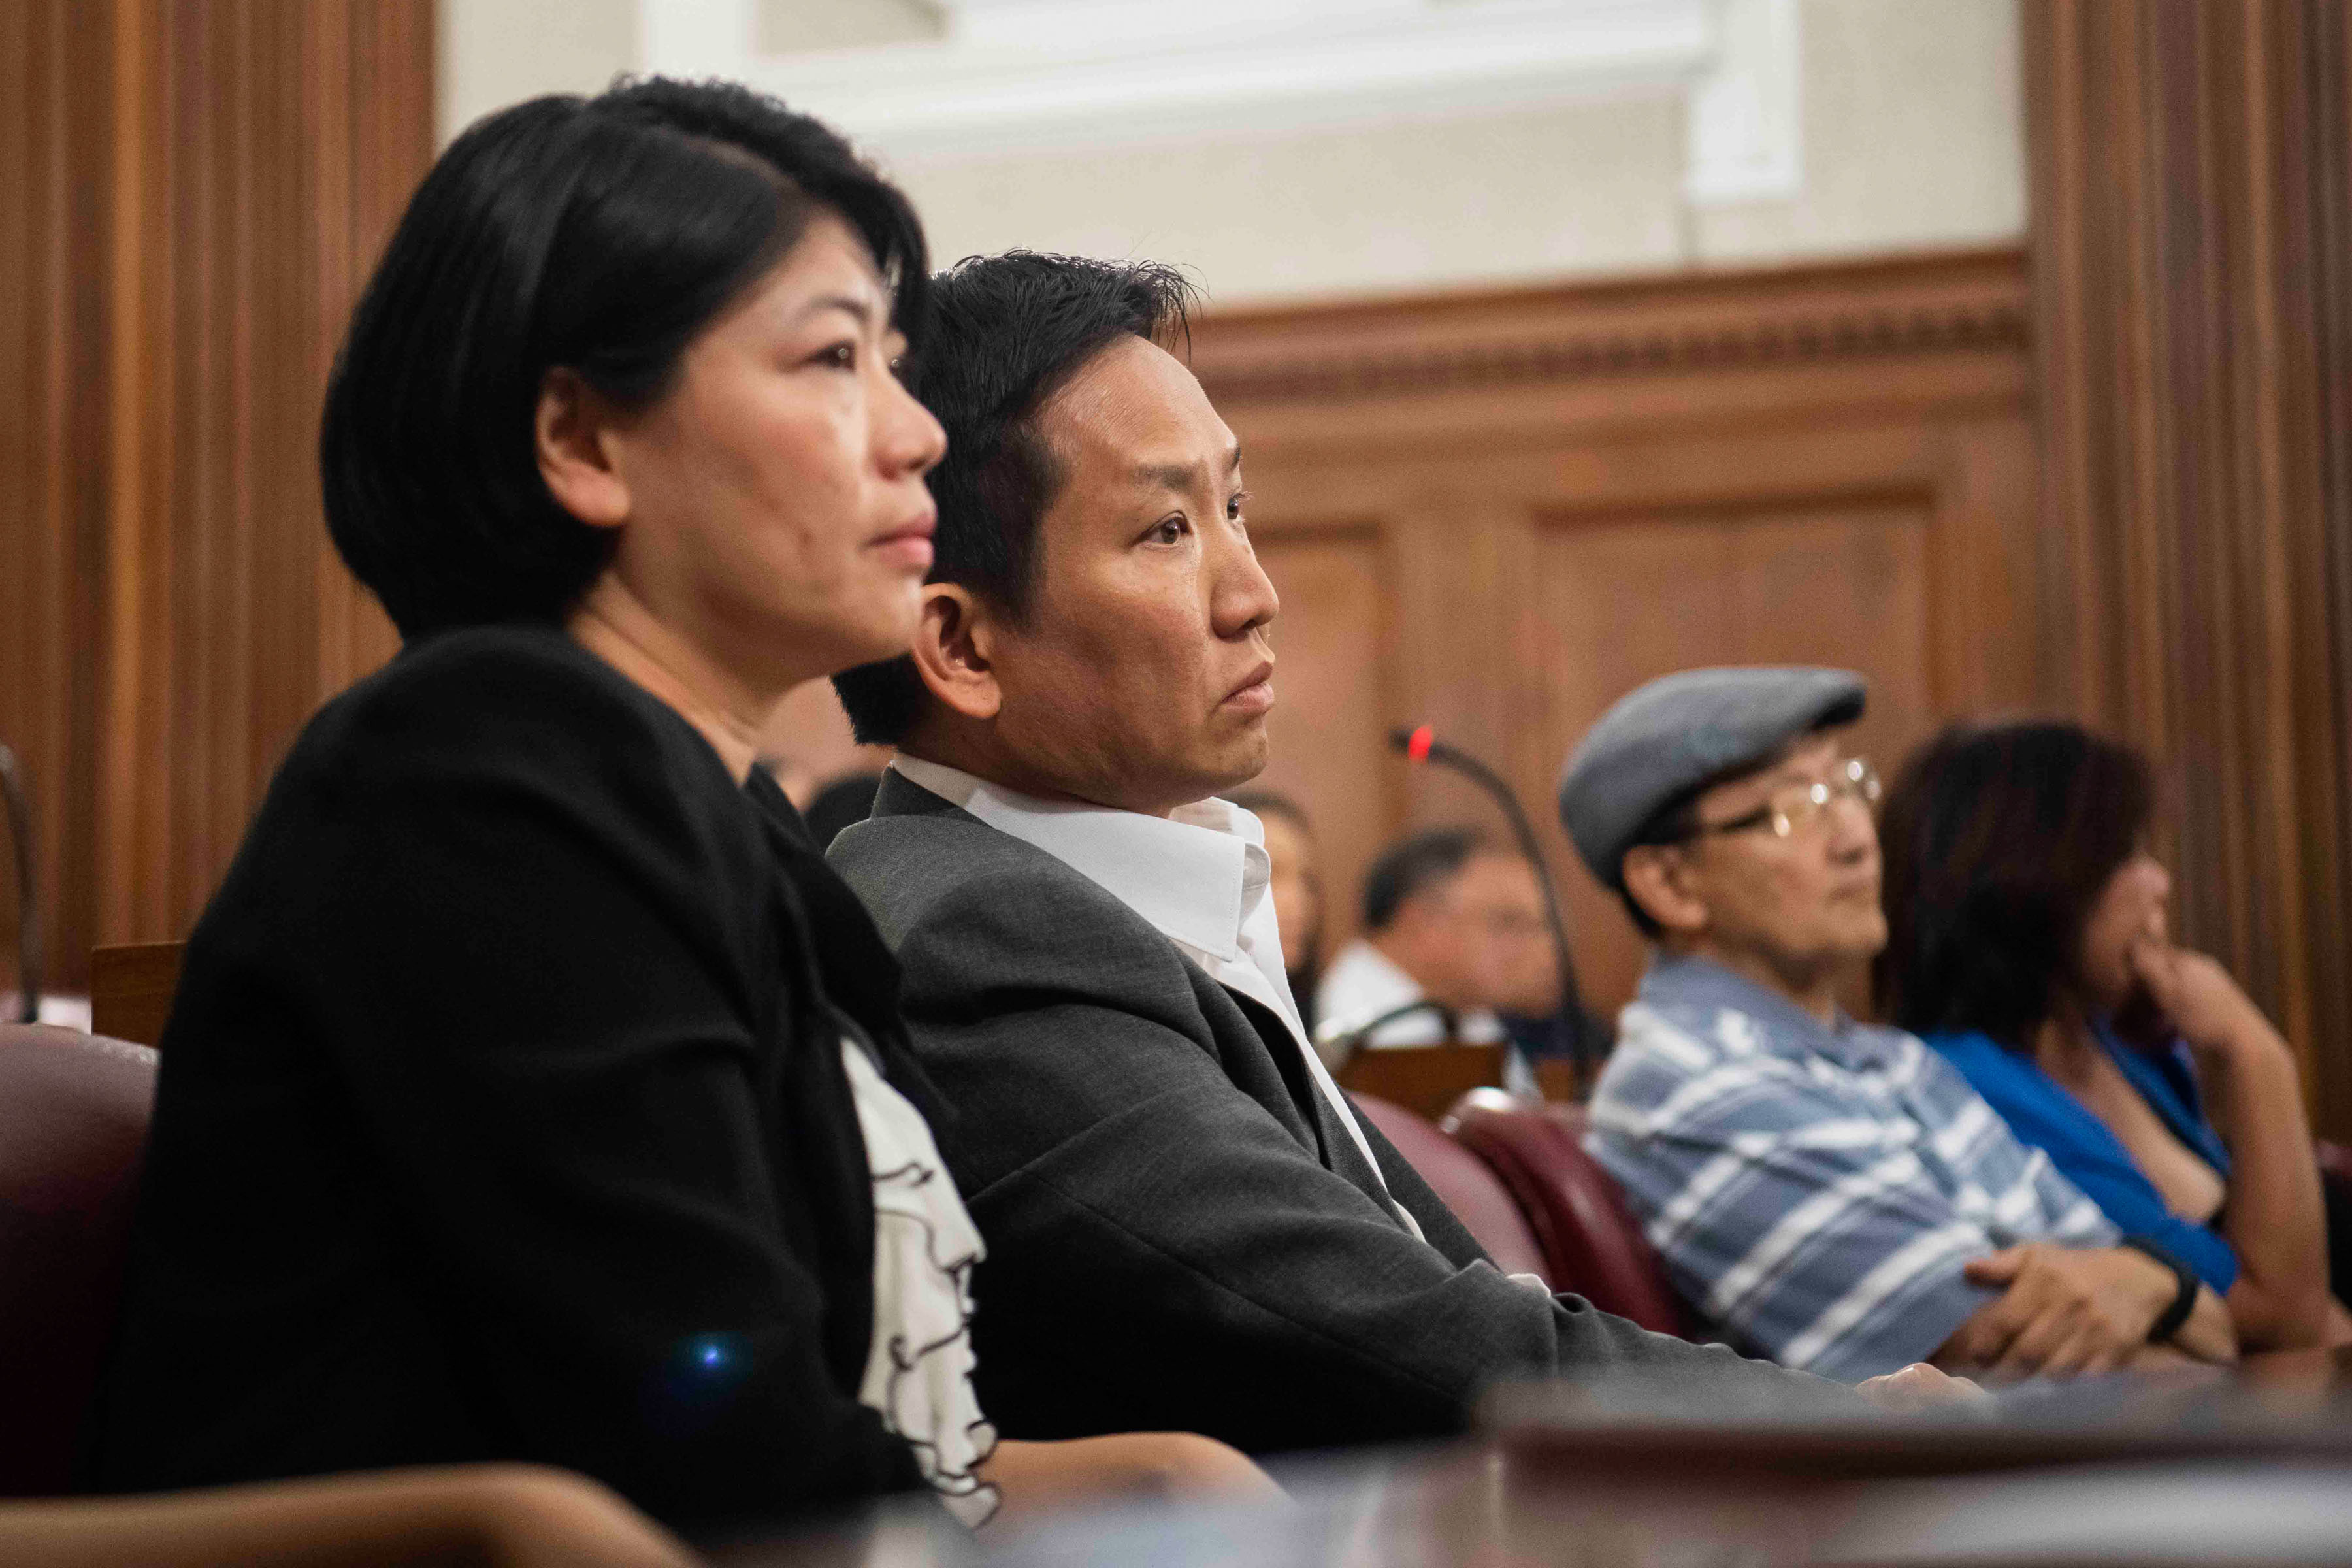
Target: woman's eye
<point>1168,530</point>
<point>1234,507</point>
<point>838,356</point>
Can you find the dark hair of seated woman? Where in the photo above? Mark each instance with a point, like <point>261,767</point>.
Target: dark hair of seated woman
<point>2028,940</point>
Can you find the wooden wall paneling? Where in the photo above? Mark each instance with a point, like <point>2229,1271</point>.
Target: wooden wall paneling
<point>2193,179</point>
<point>266,151</point>
<point>1584,487</point>
<point>1465,555</point>
<point>189,197</point>
<point>1334,685</point>
<point>55,145</point>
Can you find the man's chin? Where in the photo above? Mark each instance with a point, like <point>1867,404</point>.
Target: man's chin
<point>1865,940</point>
<point>1244,762</point>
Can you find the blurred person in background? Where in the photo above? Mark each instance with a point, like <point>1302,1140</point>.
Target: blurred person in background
<point>1830,1191</point>
<point>1452,919</point>
<point>2028,943</point>
<point>1296,887</point>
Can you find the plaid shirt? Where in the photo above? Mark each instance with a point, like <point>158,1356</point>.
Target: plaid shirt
<point>1815,1191</point>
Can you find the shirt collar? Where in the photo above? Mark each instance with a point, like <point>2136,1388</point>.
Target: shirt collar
<point>1681,980</point>
<point>1197,877</point>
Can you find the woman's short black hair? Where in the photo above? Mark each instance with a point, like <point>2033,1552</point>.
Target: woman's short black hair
<point>1007,332</point>
<point>1998,841</point>
<point>599,235</point>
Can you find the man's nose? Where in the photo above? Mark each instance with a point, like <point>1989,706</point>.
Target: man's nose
<point>1242,599</point>
<point>1852,832</point>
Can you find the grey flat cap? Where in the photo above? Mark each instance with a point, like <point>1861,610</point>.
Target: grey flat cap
<point>1662,738</point>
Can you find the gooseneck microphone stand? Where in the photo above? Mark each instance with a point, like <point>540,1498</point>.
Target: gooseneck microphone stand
<point>28,913</point>
<point>1422,745</point>
<point>1346,1037</point>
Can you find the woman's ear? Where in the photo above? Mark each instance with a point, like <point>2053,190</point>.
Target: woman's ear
<point>1657,877</point>
<point>571,431</point>
<point>954,637</point>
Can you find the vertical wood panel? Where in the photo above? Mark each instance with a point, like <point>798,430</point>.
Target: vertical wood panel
<point>1335,692</point>
<point>274,143</point>
<point>190,193</point>
<point>54,144</point>
<point>2193,171</point>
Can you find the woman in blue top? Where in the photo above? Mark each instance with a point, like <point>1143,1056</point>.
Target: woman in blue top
<point>2027,942</point>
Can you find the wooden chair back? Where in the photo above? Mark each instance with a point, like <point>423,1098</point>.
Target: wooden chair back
<point>1424,1080</point>
<point>130,989</point>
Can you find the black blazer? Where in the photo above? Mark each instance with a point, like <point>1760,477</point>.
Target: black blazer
<point>501,1114</point>
<point>1180,1236</point>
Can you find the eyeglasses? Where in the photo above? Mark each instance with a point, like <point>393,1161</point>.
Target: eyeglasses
<point>1798,807</point>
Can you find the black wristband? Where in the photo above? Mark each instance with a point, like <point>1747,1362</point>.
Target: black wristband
<point>2184,1297</point>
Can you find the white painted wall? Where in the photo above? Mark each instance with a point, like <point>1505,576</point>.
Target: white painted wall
<point>1911,138</point>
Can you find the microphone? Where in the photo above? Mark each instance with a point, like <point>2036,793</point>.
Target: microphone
<point>1421,744</point>
<point>28,912</point>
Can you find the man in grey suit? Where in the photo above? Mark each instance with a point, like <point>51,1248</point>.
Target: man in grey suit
<point>1187,1227</point>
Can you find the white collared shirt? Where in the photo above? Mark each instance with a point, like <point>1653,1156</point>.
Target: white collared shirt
<point>1200,877</point>
<point>1364,983</point>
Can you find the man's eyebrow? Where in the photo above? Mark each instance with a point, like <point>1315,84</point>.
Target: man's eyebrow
<point>1180,476</point>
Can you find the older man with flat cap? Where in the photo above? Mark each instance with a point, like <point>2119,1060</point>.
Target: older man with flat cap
<point>1831,1194</point>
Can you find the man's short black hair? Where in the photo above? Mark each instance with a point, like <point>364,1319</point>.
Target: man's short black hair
<point>598,235</point>
<point>1007,332</point>
<point>1413,865</point>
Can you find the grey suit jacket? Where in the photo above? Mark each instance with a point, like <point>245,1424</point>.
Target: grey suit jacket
<point>1180,1237</point>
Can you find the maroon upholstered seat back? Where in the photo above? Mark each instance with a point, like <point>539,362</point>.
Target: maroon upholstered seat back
<point>1463,1181</point>
<point>1589,1237</point>
<point>73,1122</point>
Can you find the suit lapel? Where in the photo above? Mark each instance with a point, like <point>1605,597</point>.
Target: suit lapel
<point>1303,1110</point>
<point>1334,1146</point>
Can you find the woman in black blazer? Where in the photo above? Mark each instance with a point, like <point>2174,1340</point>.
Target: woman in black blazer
<point>533,1089</point>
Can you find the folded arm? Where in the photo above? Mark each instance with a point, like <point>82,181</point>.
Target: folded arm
<point>1806,1222</point>
<point>2078,1312</point>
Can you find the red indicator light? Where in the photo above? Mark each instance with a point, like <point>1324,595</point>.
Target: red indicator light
<point>1417,746</point>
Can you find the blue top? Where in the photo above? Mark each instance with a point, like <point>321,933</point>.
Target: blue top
<point>2044,1113</point>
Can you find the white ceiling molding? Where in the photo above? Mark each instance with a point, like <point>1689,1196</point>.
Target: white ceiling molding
<point>1044,76</point>
<point>1745,122</point>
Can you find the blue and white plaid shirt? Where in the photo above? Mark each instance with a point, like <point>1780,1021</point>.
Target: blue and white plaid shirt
<point>1815,1191</point>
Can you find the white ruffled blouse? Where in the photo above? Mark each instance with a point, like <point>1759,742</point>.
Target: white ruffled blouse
<point>919,1368</point>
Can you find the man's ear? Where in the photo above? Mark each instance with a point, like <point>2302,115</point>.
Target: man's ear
<point>571,433</point>
<point>1658,878</point>
<point>954,638</point>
